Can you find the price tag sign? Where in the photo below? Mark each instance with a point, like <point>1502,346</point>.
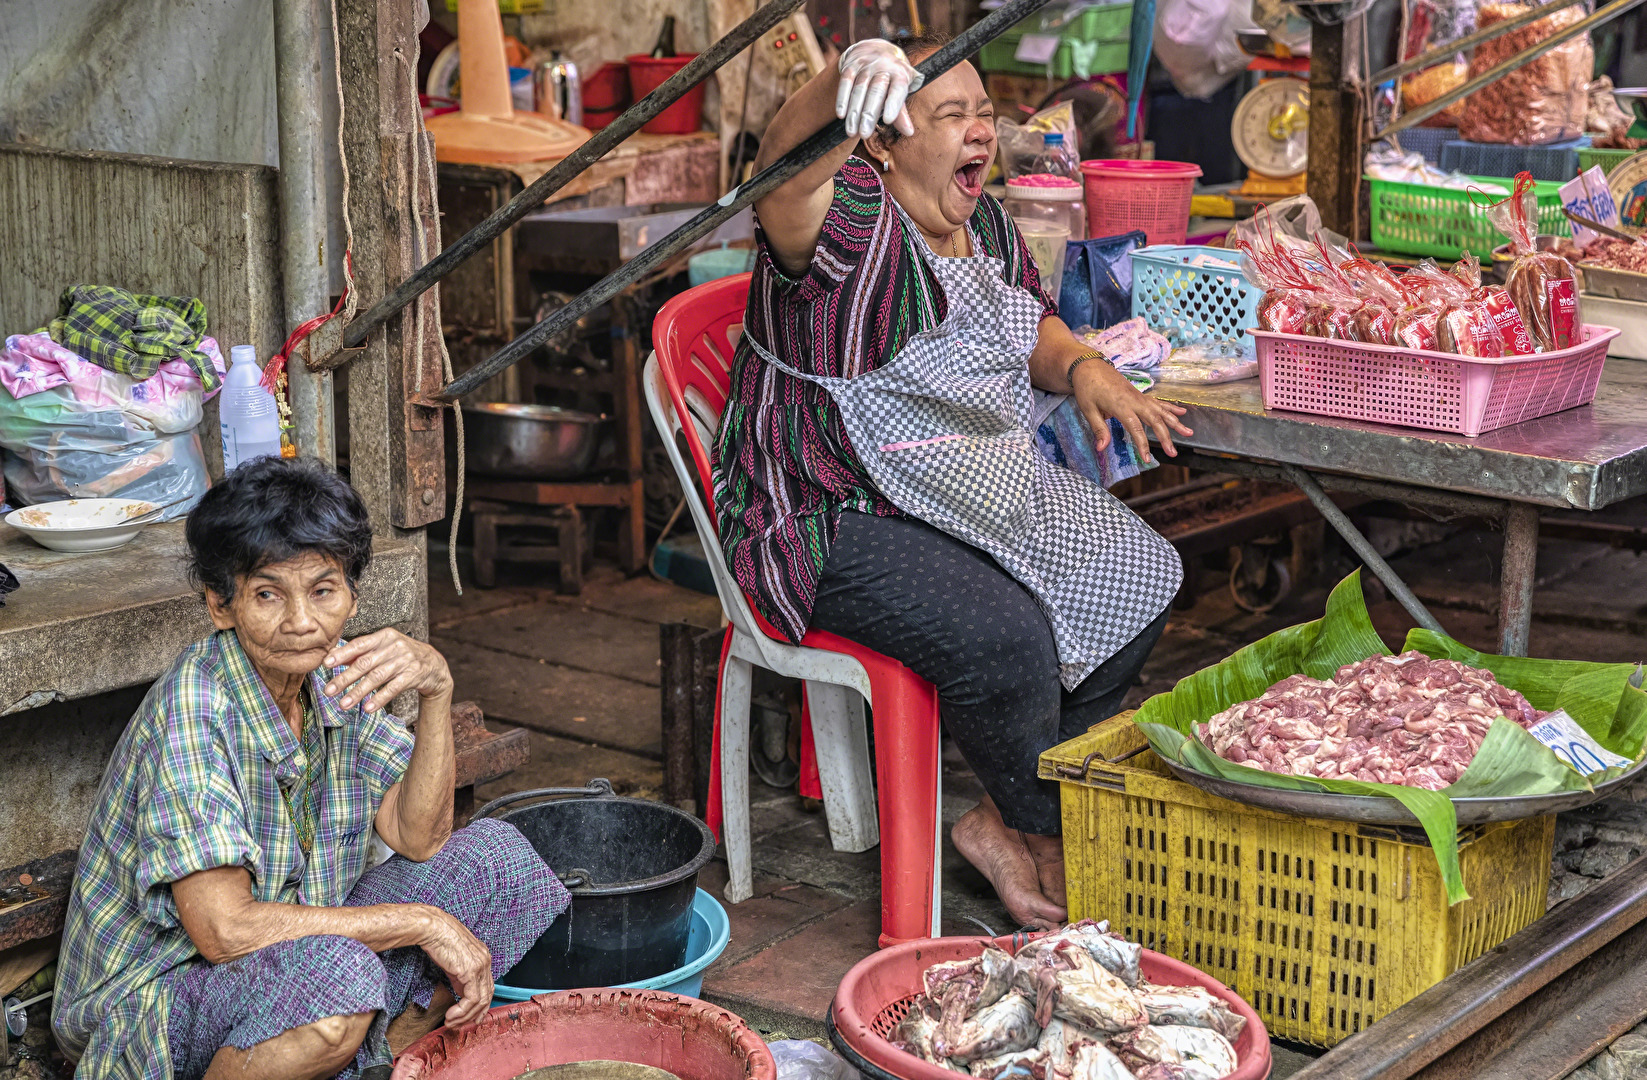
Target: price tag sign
<point>1573,744</point>
<point>1036,48</point>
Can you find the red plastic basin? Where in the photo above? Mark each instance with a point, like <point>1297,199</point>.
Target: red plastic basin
<point>879,989</point>
<point>681,1035</point>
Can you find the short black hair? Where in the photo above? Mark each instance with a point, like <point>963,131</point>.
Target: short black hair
<point>273,509</point>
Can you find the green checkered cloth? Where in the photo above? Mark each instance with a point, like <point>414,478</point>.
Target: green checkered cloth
<point>133,334</point>
<point>205,776</point>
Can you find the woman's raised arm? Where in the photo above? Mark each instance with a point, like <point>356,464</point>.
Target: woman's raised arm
<point>867,87</point>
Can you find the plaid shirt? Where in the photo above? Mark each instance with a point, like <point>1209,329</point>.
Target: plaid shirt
<point>133,334</point>
<point>195,783</point>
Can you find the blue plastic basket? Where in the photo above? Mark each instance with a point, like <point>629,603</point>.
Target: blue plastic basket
<point>705,942</point>
<point>1191,304</point>
<point>1557,161</point>
<point>1427,141</point>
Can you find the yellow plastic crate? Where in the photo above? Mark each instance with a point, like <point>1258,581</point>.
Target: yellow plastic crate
<point>1322,926</point>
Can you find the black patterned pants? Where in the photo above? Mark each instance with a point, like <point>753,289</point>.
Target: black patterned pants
<point>950,613</point>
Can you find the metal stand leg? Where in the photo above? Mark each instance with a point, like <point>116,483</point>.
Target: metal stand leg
<point>1375,562</point>
<point>1515,589</point>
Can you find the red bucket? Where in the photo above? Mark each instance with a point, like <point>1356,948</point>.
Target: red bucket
<point>1150,195</point>
<point>646,74</point>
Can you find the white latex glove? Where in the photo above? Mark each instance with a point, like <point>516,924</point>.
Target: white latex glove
<point>876,77</point>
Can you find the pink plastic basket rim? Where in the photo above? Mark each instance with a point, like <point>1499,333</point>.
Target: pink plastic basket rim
<point>1594,334</point>
<point>1127,169</point>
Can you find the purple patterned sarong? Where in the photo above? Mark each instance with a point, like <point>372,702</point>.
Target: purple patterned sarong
<point>487,876</point>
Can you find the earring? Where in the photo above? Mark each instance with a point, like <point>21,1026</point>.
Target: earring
<point>886,165</point>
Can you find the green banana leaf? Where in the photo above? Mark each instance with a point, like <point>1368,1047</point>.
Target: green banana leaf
<point>1511,761</point>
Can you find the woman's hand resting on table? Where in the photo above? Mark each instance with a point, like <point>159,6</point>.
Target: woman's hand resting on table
<point>1102,392</point>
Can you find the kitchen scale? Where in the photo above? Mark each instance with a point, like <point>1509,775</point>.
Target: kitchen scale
<point>1271,131</point>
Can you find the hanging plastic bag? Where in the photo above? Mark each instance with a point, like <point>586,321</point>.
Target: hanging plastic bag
<point>1097,289</point>
<point>1544,101</point>
<point>1195,41</point>
<point>1541,283</point>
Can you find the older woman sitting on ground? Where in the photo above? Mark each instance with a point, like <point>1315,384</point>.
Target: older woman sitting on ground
<point>222,921</point>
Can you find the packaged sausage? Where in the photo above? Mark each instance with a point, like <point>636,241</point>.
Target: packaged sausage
<point>1416,327</point>
<point>1512,331</point>
<point>1288,290</point>
<point>1467,328</point>
<point>1540,283</point>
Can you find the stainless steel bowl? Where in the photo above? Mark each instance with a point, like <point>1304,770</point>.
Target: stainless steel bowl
<point>530,442</point>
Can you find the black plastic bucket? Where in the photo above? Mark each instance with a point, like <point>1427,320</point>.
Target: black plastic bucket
<point>632,869</point>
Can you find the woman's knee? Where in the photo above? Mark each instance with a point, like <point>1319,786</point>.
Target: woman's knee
<point>1006,658</point>
<point>338,1039</point>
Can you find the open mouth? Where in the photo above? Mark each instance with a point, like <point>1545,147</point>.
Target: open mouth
<point>970,177</point>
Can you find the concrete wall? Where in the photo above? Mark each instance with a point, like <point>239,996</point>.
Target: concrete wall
<point>152,225</point>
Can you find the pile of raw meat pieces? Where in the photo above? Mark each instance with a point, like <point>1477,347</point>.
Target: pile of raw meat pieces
<point>1388,719</point>
<point>1317,290</point>
<point>1069,1006</point>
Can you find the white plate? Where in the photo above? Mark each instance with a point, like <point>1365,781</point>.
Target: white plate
<point>81,524</point>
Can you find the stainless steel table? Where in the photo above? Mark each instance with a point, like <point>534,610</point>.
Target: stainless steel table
<point>1585,459</point>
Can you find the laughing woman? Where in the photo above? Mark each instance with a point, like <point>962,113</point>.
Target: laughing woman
<point>876,473</point>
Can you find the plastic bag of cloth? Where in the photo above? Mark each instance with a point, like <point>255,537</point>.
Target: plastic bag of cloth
<point>1195,41</point>
<point>169,401</point>
<point>1097,288</point>
<point>59,450</point>
<point>802,1059</point>
<point>1021,144</point>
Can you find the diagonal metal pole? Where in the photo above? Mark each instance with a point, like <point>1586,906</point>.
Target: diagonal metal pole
<point>1519,60</point>
<point>774,176</point>
<point>1306,483</point>
<point>596,147</point>
<point>1468,42</point>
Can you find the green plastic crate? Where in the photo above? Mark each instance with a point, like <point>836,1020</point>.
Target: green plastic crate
<point>1607,159</point>
<point>1109,26</point>
<point>1417,219</point>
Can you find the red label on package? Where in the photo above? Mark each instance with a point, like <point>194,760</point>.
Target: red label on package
<point>1510,325</point>
<point>1563,309</point>
<point>1417,334</point>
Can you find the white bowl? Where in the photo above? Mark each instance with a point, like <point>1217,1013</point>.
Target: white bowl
<point>81,524</point>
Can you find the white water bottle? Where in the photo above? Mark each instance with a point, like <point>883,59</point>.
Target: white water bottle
<point>247,414</point>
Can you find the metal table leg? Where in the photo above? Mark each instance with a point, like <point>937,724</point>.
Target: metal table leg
<point>1375,562</point>
<point>1515,590</point>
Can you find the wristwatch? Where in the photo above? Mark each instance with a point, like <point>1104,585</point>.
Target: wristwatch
<point>1078,361</point>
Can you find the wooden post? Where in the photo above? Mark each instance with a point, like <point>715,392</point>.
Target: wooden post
<point>1337,148</point>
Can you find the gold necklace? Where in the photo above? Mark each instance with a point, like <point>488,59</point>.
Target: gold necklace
<point>954,245</point>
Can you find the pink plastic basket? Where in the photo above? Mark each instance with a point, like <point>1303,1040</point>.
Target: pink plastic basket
<point>1149,195</point>
<point>1423,389</point>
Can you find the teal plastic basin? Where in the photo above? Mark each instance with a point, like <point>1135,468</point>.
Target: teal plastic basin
<point>705,942</point>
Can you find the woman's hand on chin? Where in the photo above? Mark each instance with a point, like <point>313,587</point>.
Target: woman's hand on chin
<point>1102,392</point>
<point>382,666</point>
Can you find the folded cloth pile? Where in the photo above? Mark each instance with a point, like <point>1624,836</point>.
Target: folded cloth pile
<point>1132,347</point>
<point>1065,438</point>
<point>132,333</point>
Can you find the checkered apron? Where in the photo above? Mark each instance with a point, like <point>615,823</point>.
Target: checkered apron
<point>945,430</point>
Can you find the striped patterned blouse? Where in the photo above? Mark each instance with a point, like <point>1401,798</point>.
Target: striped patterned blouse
<point>784,468</point>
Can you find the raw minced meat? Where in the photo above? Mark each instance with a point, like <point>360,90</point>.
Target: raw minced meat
<point>1388,719</point>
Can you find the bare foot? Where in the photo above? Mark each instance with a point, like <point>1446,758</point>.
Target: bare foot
<point>1048,853</point>
<point>1000,855</point>
<point>416,1021</point>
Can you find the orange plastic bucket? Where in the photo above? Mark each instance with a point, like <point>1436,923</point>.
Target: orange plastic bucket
<point>646,74</point>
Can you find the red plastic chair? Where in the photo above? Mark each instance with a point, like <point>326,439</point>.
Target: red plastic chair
<point>686,380</point>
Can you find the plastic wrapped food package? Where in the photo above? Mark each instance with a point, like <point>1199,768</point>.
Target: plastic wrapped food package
<point>1540,283</point>
<point>1468,329</point>
<point>1545,101</point>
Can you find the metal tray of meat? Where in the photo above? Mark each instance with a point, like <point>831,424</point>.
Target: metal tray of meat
<point>1378,810</point>
<point>1608,281</point>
